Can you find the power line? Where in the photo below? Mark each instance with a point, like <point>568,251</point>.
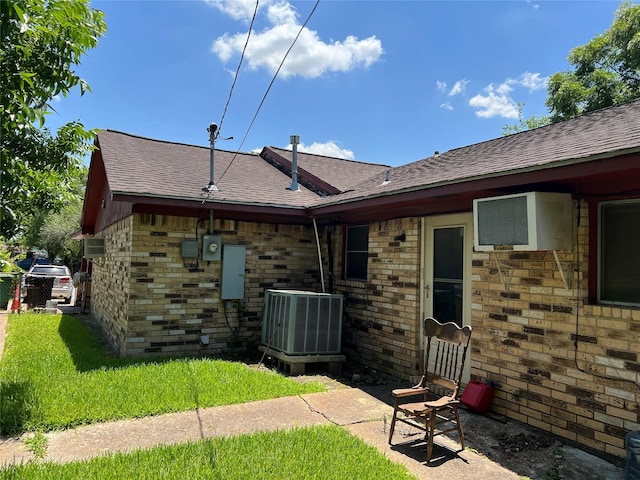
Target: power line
<point>235,77</point>
<point>264,97</point>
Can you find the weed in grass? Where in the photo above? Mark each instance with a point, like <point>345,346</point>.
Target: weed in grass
<point>37,444</point>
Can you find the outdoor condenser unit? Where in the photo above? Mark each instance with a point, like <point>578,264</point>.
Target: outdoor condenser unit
<point>302,323</point>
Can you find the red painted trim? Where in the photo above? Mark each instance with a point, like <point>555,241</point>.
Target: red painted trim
<point>304,177</point>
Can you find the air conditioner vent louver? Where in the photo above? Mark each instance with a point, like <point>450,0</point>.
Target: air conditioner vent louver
<point>94,247</point>
<point>302,323</point>
<point>529,221</point>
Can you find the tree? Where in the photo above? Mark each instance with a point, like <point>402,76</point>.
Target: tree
<point>41,41</point>
<point>606,70</point>
<point>534,121</point>
<point>56,231</point>
<point>52,231</point>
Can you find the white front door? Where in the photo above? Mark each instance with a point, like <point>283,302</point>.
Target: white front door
<point>446,272</point>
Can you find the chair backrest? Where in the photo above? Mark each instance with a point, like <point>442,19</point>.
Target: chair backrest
<point>446,345</point>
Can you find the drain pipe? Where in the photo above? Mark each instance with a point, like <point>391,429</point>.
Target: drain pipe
<point>315,228</point>
<point>294,140</point>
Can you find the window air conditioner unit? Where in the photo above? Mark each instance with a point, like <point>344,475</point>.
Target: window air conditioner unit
<point>526,221</point>
<point>302,323</point>
<point>94,247</point>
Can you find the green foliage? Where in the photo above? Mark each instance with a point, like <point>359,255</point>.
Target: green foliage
<point>52,231</point>
<point>7,265</point>
<point>327,452</point>
<point>606,70</point>
<point>67,378</point>
<point>37,443</point>
<point>41,42</point>
<point>523,124</point>
<point>54,235</point>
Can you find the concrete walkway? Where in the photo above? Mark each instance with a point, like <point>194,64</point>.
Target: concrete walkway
<point>360,413</point>
<point>363,413</point>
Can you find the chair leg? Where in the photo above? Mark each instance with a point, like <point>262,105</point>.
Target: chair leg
<point>393,420</point>
<point>459,425</point>
<point>431,426</point>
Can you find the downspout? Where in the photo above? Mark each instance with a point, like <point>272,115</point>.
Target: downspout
<point>330,255</point>
<point>315,228</point>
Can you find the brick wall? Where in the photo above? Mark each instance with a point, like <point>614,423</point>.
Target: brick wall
<point>150,302</point>
<point>381,322</point>
<point>560,363</point>
<point>110,286</point>
<point>563,366</point>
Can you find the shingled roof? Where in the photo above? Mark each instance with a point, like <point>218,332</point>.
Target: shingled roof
<point>143,167</point>
<point>566,156</point>
<point>605,133</point>
<point>328,175</point>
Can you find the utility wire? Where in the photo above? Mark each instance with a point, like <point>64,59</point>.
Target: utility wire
<point>269,88</point>
<point>235,77</point>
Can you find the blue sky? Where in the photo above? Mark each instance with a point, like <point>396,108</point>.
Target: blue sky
<point>378,81</point>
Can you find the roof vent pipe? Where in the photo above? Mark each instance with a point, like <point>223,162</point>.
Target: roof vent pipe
<point>294,140</point>
<point>387,178</point>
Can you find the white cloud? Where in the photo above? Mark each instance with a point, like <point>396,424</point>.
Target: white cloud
<point>328,149</point>
<point>310,57</point>
<point>503,89</point>
<point>458,87</point>
<point>446,106</point>
<point>237,9</point>
<point>442,86</point>
<point>495,103</point>
<point>535,6</point>
<point>498,99</point>
<point>533,82</point>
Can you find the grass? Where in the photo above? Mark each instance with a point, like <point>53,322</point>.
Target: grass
<point>327,452</point>
<point>55,374</point>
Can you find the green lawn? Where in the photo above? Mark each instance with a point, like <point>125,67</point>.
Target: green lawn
<point>55,374</point>
<point>326,452</point>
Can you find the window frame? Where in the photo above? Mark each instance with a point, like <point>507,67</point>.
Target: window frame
<point>347,253</point>
<point>601,226</point>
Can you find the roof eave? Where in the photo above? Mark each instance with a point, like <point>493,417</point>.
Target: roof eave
<point>333,201</point>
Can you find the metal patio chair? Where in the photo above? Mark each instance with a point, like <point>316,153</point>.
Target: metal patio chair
<point>446,346</point>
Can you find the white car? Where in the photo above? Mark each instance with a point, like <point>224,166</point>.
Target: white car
<point>62,280</point>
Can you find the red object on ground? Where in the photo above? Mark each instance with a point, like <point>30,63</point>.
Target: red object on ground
<point>477,396</point>
<point>15,306</point>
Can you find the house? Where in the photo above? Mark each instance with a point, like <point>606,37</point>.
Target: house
<point>555,315</point>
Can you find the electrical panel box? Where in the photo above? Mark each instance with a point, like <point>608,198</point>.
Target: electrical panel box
<point>189,248</point>
<point>211,247</point>
<point>233,269</point>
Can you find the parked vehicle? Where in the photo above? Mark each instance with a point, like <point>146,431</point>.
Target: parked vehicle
<point>27,263</point>
<point>62,280</point>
